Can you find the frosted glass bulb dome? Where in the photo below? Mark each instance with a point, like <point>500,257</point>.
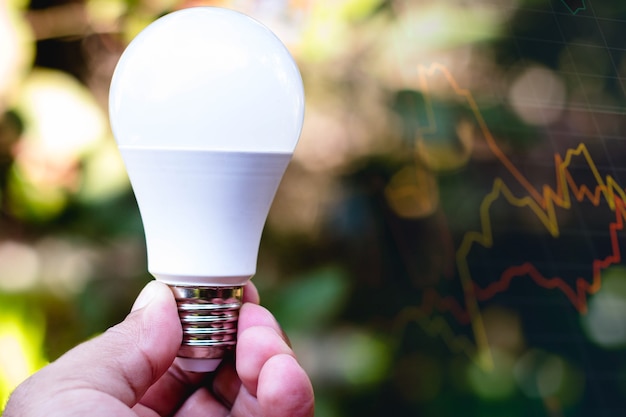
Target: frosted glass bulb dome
<point>206,105</point>
<point>207,78</point>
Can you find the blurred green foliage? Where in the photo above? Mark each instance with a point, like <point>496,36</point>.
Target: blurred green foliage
<point>360,256</point>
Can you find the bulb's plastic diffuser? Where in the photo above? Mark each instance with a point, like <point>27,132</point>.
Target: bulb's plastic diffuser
<point>207,78</point>
<point>206,105</point>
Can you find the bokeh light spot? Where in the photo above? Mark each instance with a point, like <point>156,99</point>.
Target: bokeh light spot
<point>412,192</point>
<point>19,266</point>
<point>497,382</point>
<point>22,331</point>
<point>538,96</point>
<point>604,324</point>
<point>16,49</point>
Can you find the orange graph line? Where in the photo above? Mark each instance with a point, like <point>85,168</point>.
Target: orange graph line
<point>542,203</point>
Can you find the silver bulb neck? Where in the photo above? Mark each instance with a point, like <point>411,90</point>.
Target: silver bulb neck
<point>209,318</point>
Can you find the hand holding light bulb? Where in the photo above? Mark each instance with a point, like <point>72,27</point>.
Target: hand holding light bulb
<point>129,371</point>
<point>207,106</point>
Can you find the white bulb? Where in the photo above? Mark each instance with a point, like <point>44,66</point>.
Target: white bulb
<point>207,106</point>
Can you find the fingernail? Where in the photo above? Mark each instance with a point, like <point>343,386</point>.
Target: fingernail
<point>145,296</point>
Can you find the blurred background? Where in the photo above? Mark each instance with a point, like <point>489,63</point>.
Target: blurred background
<point>447,240</point>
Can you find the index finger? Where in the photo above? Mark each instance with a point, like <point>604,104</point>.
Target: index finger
<point>250,293</point>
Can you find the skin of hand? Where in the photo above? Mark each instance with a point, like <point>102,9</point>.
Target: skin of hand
<point>130,370</point>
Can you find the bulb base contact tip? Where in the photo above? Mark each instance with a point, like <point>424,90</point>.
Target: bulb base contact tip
<point>209,318</point>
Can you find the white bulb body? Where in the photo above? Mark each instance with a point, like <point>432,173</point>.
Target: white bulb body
<point>203,211</point>
<point>206,105</point>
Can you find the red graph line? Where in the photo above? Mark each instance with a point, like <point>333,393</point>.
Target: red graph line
<point>541,203</point>
<point>578,296</point>
<point>433,301</point>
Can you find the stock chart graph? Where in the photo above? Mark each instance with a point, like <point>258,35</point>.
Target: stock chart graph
<point>543,204</point>
<point>533,207</point>
<point>449,239</point>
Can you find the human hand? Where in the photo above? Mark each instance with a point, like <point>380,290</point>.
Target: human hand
<point>130,371</point>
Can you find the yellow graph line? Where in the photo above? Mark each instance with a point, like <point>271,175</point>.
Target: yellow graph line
<point>542,204</point>
<point>476,320</point>
<point>437,327</point>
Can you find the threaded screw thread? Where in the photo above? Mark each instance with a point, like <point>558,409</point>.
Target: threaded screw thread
<point>209,318</point>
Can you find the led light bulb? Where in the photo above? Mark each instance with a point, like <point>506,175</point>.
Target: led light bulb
<point>206,105</point>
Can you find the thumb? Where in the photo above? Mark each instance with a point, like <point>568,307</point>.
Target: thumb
<point>128,358</point>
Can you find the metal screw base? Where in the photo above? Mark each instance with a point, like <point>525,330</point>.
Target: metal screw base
<point>209,318</point>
